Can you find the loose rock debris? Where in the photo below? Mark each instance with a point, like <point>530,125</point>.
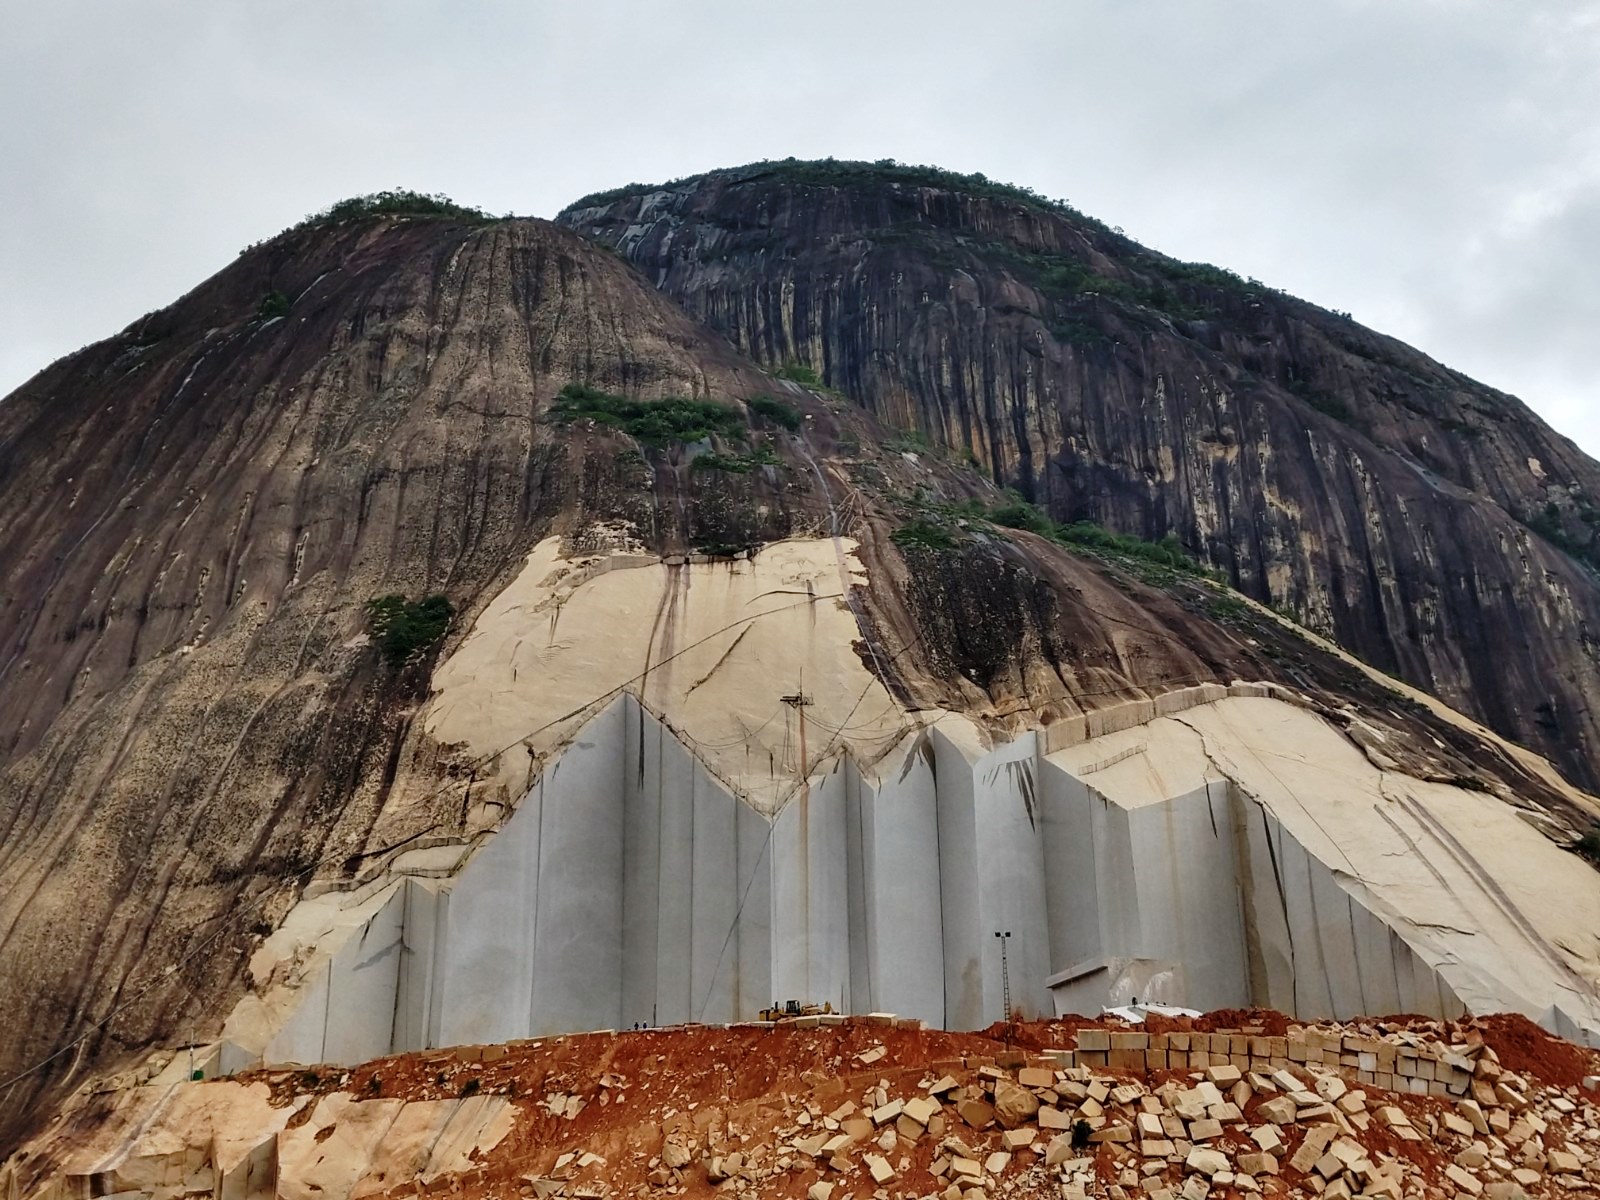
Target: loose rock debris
<point>1179,1110</point>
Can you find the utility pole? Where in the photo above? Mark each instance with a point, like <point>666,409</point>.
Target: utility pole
<point>1005,972</point>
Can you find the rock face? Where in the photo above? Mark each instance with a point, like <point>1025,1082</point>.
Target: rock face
<point>1387,501</point>
<point>210,759</point>
<point>192,725</point>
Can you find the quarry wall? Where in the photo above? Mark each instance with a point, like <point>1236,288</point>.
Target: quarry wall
<point>631,886</point>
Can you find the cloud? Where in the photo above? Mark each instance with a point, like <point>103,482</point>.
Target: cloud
<point>1431,165</point>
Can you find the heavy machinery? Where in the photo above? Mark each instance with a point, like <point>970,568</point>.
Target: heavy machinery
<point>793,1008</point>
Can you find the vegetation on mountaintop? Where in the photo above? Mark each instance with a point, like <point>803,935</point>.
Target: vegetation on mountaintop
<point>402,629</point>
<point>654,422</point>
<point>396,202</point>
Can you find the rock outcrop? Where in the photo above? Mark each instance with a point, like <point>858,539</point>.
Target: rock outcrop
<point>220,765</point>
<point>192,722</point>
<point>1432,525</point>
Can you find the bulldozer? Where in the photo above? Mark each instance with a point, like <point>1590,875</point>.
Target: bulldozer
<point>793,1008</point>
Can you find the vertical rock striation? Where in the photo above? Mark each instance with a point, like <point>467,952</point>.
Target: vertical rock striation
<point>1432,525</point>
<point>192,723</point>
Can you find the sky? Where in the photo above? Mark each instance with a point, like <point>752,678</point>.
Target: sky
<point>1431,166</point>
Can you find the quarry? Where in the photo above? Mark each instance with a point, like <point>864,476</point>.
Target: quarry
<point>531,712</point>
<point>952,893</point>
<point>1217,847</point>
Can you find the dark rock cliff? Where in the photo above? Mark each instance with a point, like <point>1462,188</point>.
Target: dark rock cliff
<point>1432,525</point>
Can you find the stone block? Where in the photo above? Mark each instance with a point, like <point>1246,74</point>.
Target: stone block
<point>1463,1179</point>
<point>975,1113</point>
<point>1564,1162</point>
<point>1013,1105</point>
<point>1268,1138</point>
<point>1053,1118</point>
<point>1130,1041</point>
<point>1280,1110</point>
<point>879,1167</point>
<point>1202,1161</point>
<point>1329,1166</point>
<point>1116,1134</point>
<point>1258,1164</point>
<point>966,1168</point>
<point>1473,1112</point>
<point>1016,1139</point>
<point>1034,1077</point>
<point>1098,1040</point>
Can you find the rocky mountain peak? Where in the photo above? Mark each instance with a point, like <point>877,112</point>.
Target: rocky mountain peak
<point>801,499</point>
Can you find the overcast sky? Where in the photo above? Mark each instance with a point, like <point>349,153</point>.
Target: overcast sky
<point>1433,166</point>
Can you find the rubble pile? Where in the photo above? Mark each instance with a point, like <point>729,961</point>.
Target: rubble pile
<point>1130,1114</point>
<point>835,1108</point>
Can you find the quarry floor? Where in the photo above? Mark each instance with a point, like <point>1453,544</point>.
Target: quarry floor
<point>596,1113</point>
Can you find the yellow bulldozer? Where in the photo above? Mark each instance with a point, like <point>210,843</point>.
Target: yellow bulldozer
<point>793,1008</point>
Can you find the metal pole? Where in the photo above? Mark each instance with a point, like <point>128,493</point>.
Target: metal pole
<point>1005,973</point>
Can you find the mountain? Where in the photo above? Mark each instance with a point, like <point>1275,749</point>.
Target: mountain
<point>1434,526</point>
<point>435,629</point>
